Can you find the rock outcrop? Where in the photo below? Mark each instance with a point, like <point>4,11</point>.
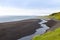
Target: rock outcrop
<point>17,29</point>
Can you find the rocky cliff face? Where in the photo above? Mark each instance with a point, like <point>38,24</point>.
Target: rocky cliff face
<point>17,29</point>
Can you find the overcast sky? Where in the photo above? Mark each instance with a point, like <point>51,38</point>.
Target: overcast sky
<point>29,7</point>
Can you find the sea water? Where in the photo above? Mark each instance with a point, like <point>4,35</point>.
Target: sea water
<point>14,18</point>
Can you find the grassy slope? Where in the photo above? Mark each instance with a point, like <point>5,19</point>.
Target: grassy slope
<point>52,35</point>
<point>55,16</point>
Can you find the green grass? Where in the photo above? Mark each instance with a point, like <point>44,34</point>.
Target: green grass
<point>55,16</point>
<point>51,35</point>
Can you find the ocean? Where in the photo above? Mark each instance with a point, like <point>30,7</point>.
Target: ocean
<point>14,18</point>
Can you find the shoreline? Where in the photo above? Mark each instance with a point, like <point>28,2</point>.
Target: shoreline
<point>15,30</point>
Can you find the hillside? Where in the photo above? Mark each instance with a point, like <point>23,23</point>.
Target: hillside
<point>54,32</point>
<point>55,16</point>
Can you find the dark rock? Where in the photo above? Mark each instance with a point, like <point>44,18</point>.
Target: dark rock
<point>17,29</point>
<point>50,23</point>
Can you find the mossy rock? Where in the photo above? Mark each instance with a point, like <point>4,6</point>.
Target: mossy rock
<point>51,35</point>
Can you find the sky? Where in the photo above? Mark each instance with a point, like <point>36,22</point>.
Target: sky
<point>29,7</point>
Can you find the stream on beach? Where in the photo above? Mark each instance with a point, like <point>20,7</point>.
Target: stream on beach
<point>38,31</point>
<point>29,37</point>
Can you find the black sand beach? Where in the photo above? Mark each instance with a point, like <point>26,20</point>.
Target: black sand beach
<point>18,29</point>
